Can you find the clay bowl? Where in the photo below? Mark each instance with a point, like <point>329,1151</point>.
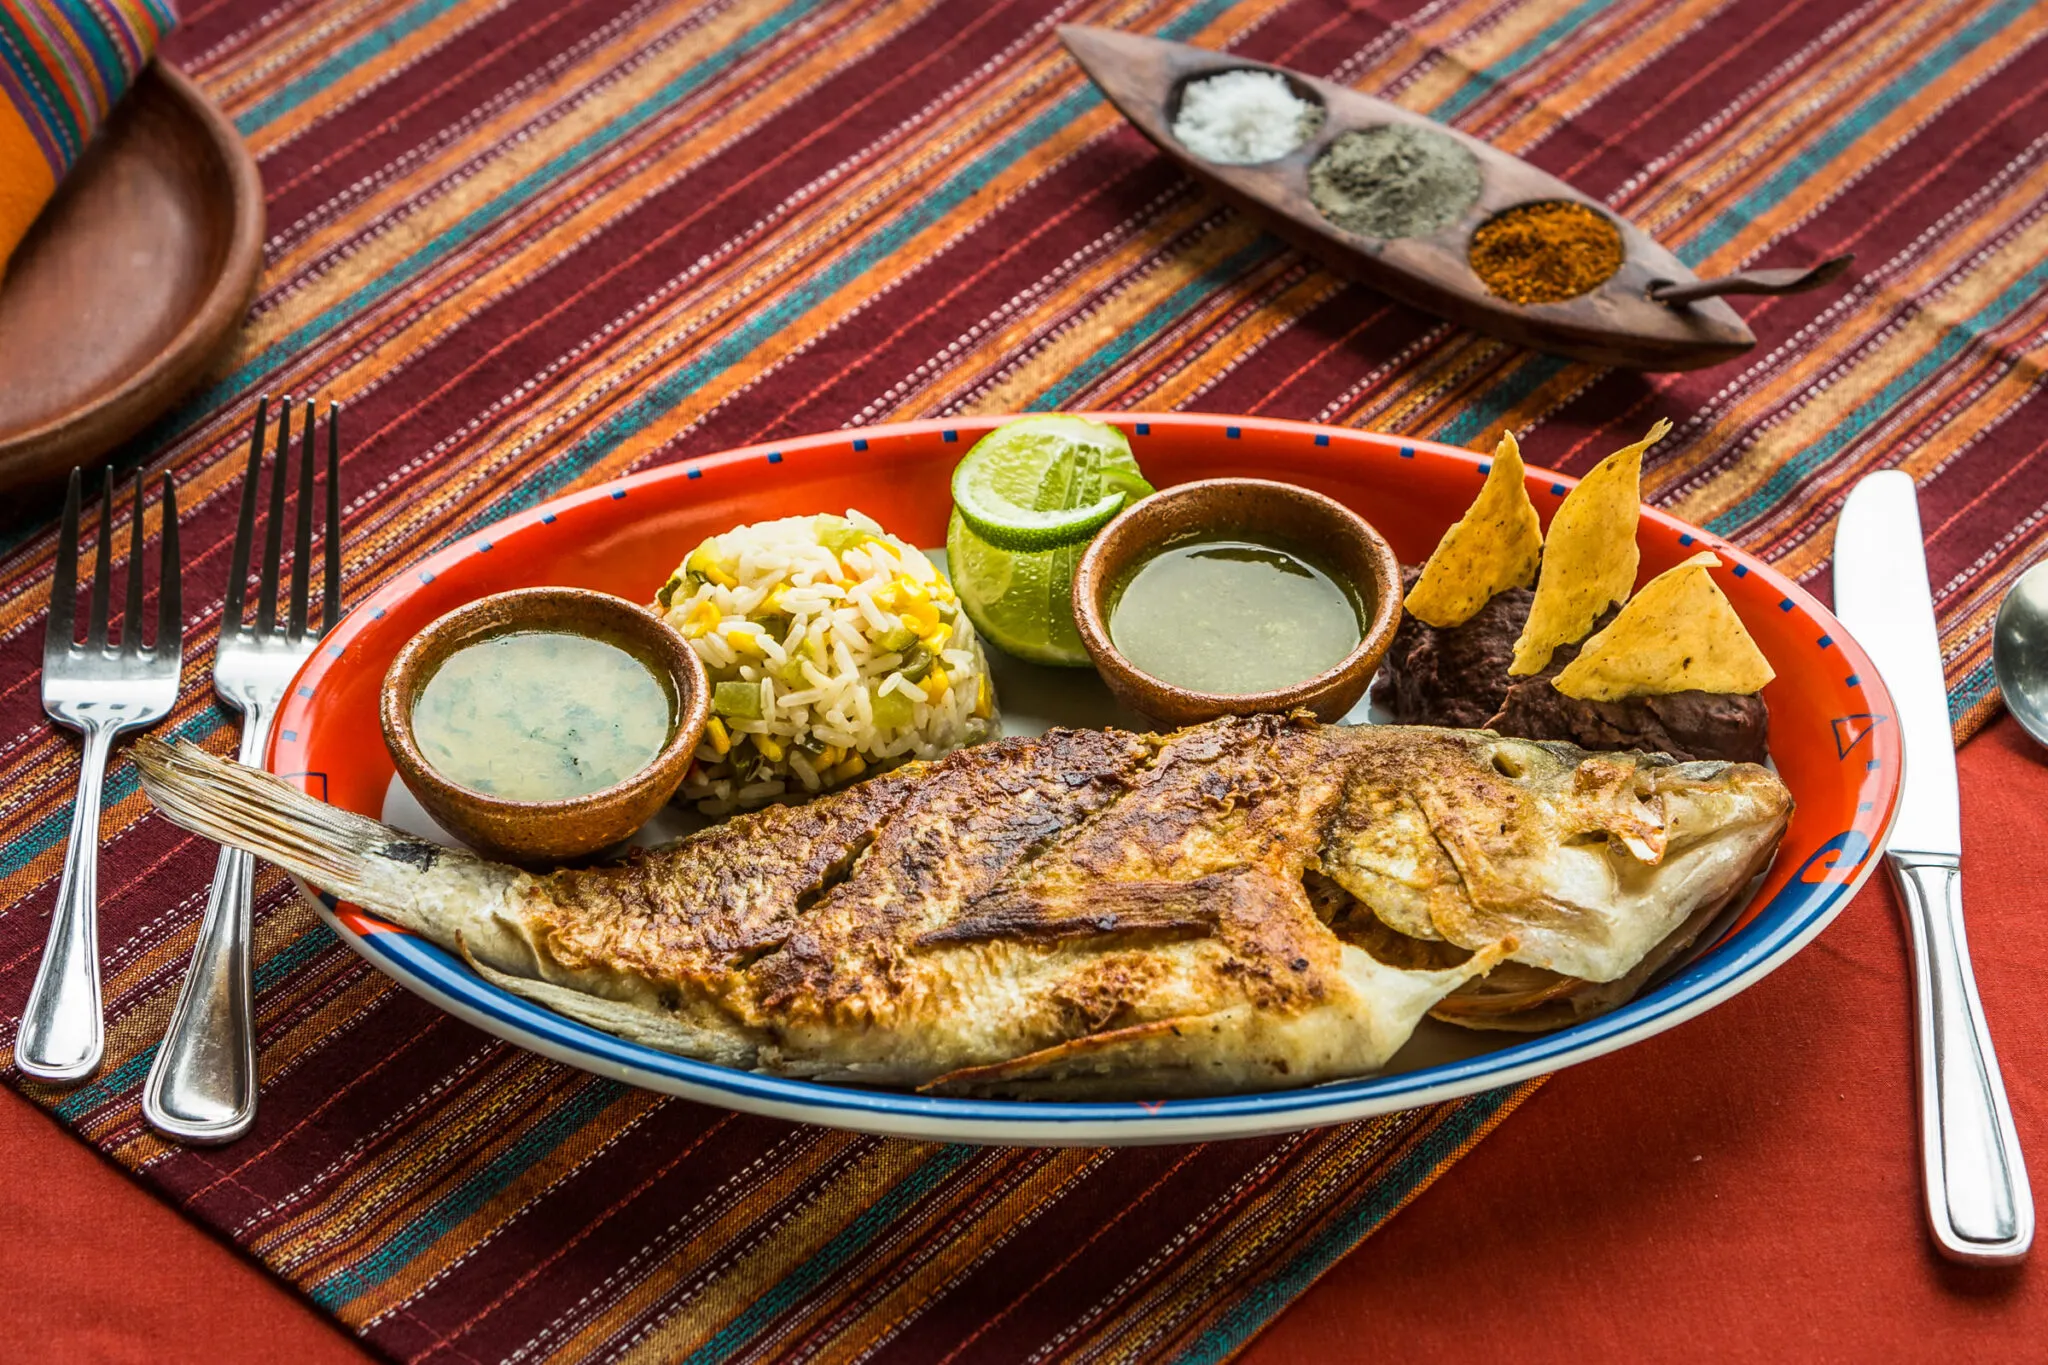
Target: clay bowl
<point>1343,543</point>
<point>133,280</point>
<point>547,832</point>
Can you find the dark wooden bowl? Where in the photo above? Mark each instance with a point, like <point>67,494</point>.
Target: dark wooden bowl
<point>547,832</point>
<point>1335,537</point>
<point>131,282</point>
<point>1615,324</point>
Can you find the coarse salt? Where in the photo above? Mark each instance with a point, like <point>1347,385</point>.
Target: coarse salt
<point>1238,118</point>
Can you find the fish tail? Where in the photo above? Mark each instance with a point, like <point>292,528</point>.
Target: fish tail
<point>229,803</point>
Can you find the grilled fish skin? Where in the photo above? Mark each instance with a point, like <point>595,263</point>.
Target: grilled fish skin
<point>1254,903</point>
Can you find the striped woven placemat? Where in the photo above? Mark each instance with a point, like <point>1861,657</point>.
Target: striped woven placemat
<point>532,243</point>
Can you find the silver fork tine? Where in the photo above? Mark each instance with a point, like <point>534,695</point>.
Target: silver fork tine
<point>170,609</point>
<point>100,693</point>
<point>202,1084</point>
<point>245,525</point>
<point>131,608</point>
<point>273,531</point>
<point>96,626</point>
<point>302,532</point>
<point>57,635</point>
<point>330,600</point>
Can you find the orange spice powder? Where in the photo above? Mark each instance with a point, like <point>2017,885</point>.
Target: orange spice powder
<point>1545,252</point>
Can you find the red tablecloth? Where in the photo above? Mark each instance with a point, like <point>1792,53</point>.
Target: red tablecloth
<point>1742,1188</point>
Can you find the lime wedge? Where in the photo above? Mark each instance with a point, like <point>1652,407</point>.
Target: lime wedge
<point>1046,481</point>
<point>1022,603</point>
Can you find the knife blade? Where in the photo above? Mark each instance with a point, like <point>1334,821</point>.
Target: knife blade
<point>1881,594</point>
<point>1979,1207</point>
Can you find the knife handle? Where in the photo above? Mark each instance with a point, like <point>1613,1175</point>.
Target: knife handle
<point>1978,1203</point>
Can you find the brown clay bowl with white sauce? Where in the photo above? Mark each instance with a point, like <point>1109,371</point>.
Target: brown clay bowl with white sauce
<point>540,833</point>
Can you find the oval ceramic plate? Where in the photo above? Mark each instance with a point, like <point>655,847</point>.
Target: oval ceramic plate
<point>1829,738</point>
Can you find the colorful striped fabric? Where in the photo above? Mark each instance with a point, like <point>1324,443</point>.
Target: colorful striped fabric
<point>533,243</point>
<point>63,64</point>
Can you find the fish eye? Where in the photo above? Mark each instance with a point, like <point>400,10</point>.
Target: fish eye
<point>1509,764</point>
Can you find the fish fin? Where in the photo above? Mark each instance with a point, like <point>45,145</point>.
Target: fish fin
<point>1573,999</point>
<point>424,887</point>
<point>1230,1050</point>
<point>1108,1055</point>
<point>231,803</point>
<point>635,1021</point>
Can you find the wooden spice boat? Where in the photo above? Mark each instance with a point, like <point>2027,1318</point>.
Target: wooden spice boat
<point>1617,323</point>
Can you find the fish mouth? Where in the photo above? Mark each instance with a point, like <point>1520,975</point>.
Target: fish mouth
<point>1706,800</point>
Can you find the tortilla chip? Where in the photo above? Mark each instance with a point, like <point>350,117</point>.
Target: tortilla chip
<point>1589,557</point>
<point>1679,634</point>
<point>1493,547</point>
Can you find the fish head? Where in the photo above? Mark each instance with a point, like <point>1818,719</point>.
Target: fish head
<point>1589,860</point>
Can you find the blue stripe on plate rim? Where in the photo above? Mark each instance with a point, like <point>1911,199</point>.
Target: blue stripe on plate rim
<point>1792,917</point>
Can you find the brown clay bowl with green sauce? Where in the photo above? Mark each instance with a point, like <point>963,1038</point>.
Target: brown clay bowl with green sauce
<point>545,832</point>
<point>1319,529</point>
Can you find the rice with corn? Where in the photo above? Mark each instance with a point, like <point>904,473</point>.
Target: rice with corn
<point>834,650</point>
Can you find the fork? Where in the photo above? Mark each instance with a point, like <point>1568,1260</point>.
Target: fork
<point>202,1085</point>
<point>98,689</point>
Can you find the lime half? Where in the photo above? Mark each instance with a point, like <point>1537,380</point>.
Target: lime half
<point>1020,602</point>
<point>1041,482</point>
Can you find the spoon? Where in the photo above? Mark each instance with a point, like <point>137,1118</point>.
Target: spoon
<point>1753,282</point>
<point>2019,651</point>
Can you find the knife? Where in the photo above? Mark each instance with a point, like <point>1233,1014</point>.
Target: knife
<point>1978,1203</point>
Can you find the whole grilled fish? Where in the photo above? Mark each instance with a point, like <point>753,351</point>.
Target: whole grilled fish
<point>1248,904</point>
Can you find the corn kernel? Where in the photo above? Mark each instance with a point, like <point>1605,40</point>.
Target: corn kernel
<point>701,619</point>
<point>935,684</point>
<point>714,730</point>
<point>746,639</point>
<point>940,634</point>
<point>769,747</point>
<point>830,758</point>
<point>853,767</point>
<point>983,702</point>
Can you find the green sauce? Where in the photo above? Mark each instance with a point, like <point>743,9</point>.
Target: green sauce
<point>542,716</point>
<point>1232,616</point>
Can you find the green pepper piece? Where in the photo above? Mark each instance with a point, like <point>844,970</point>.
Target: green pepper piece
<point>837,534</point>
<point>916,664</point>
<point>893,710</point>
<point>668,590</point>
<point>895,641</point>
<point>737,700</point>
